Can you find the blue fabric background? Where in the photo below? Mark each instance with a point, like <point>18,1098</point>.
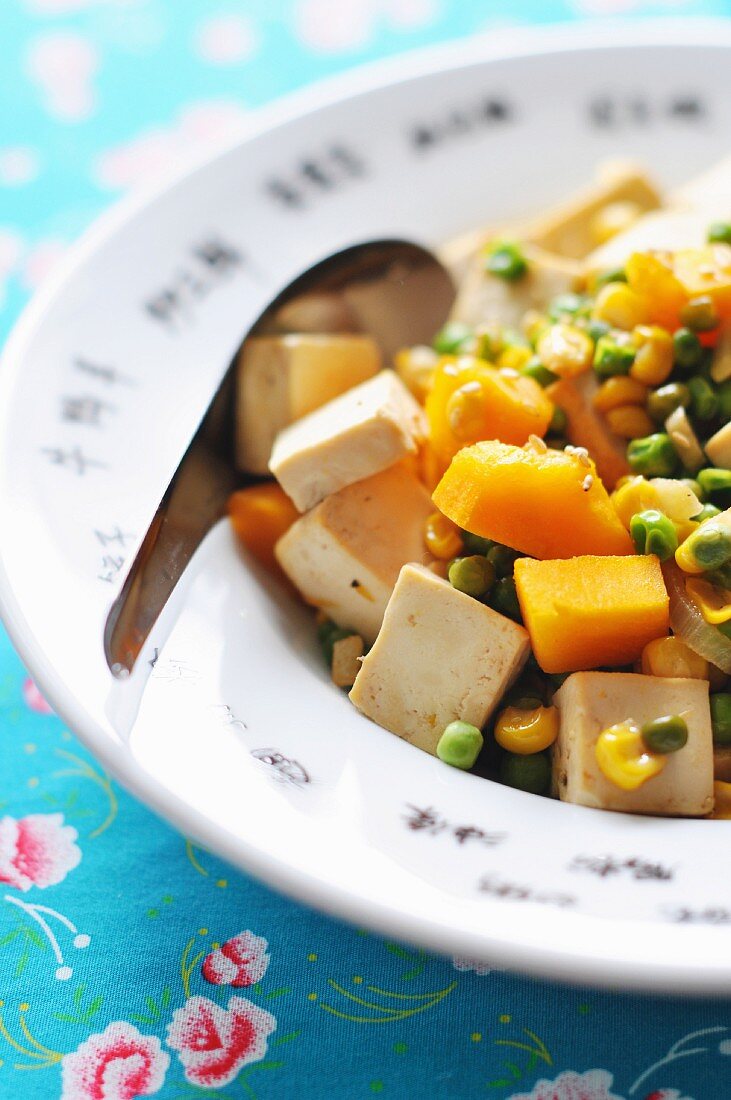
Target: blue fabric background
<point>95,96</point>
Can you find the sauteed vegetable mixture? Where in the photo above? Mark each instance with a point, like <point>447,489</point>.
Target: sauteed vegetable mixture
<point>518,539</point>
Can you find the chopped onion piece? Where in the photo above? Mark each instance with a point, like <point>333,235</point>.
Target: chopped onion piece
<point>685,440</point>
<point>689,625</point>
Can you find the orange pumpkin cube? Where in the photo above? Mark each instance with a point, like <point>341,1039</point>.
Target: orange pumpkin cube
<point>260,515</point>
<point>548,504</point>
<point>471,400</point>
<point>590,612</point>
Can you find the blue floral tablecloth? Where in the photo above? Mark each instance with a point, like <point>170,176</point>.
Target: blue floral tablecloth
<point>132,963</point>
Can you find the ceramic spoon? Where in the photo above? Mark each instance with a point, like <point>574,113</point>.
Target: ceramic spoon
<point>394,291</point>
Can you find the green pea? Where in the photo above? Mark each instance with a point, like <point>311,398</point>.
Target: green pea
<point>569,305</point>
<point>489,342</point>
<point>559,421</point>
<point>451,338</point>
<point>614,275</point>
<point>613,355</point>
<point>542,375</point>
<point>687,349</point>
<point>474,576</point>
<point>703,398</point>
<point>665,735</point>
<point>662,402</point>
<point>328,633</point>
<point>711,546</point>
<point>507,261</point>
<point>460,744</point>
<point>530,773</point>
<point>713,481</point>
<point>595,329</point>
<point>652,456</point>
<point>719,232</point>
<point>708,511</point>
<point>504,599</point>
<point>721,718</point>
<point>502,558</point>
<point>475,544</point>
<point>699,314</point>
<point>653,533</point>
<point>723,393</point>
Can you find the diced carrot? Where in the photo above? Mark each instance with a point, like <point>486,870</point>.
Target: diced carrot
<point>260,516</point>
<point>591,611</point>
<point>587,427</point>
<point>547,504</point>
<point>470,400</point>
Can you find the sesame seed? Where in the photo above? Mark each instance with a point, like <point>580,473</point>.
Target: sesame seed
<point>537,444</point>
<point>587,483</point>
<point>579,452</point>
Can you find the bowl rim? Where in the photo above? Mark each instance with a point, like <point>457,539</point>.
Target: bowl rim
<point>670,976</point>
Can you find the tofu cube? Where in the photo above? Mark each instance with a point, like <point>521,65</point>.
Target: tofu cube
<point>440,655</point>
<point>484,297</point>
<point>350,438</point>
<point>345,555</point>
<point>590,702</point>
<point>283,378</point>
<point>569,228</point>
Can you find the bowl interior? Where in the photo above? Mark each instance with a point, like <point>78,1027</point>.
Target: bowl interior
<point>229,725</point>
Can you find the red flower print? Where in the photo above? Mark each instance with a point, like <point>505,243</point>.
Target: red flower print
<point>118,1064</point>
<point>240,961</point>
<point>592,1085</point>
<point>33,698</point>
<point>38,850</point>
<point>214,1043</point>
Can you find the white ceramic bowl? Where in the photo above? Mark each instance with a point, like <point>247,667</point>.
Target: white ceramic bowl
<point>236,734</point>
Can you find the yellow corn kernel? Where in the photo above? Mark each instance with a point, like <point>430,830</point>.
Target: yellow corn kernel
<point>714,603</point>
<point>514,357</point>
<point>623,758</point>
<point>617,391</point>
<point>721,801</point>
<point>629,422</point>
<point>465,411</point>
<point>672,657</point>
<point>526,731</point>
<point>442,537</point>
<point>654,357</point>
<point>534,322</point>
<point>612,219</point>
<point>619,306</point>
<point>565,350</point>
<point>415,367</point>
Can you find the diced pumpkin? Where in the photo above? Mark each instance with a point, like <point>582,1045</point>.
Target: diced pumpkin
<point>470,400</point>
<point>706,272</point>
<point>587,427</point>
<point>652,276</point>
<point>548,504</point>
<point>591,611</point>
<point>260,515</point>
